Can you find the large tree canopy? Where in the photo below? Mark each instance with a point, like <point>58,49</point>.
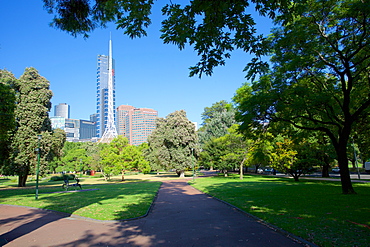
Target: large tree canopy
<point>319,80</point>
<point>32,119</point>
<point>213,28</point>
<point>173,144</point>
<point>7,106</point>
<point>217,126</point>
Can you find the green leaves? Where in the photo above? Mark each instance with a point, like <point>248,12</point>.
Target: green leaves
<point>317,79</point>
<point>119,156</point>
<point>81,17</point>
<point>213,28</point>
<point>31,114</point>
<point>7,106</point>
<point>173,144</point>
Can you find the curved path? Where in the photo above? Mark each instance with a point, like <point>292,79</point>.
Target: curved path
<point>181,216</point>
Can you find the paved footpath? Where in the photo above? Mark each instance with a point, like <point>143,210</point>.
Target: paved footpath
<point>181,216</point>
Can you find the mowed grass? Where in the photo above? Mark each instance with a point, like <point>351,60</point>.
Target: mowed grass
<point>111,201</point>
<point>313,210</point>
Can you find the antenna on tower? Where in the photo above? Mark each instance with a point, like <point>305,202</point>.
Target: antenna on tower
<point>110,131</point>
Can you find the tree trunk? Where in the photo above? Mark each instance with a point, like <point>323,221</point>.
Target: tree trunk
<point>22,180</point>
<point>123,175</point>
<point>22,176</point>
<point>345,178</point>
<point>325,171</point>
<point>181,174</point>
<point>241,168</point>
<point>294,175</point>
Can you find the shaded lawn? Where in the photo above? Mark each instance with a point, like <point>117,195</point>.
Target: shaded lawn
<point>115,201</point>
<point>313,210</point>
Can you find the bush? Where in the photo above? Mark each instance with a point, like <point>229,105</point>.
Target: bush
<point>62,177</point>
<point>98,175</point>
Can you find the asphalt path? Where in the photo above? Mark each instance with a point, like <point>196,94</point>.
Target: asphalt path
<point>180,216</point>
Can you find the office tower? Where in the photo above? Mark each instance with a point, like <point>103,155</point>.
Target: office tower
<point>62,110</point>
<point>76,130</point>
<point>105,102</point>
<point>93,117</point>
<point>135,123</point>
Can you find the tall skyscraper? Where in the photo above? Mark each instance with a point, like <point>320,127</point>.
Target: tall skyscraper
<point>105,97</point>
<point>135,123</point>
<point>62,110</point>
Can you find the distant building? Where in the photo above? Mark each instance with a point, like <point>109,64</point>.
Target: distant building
<point>196,125</point>
<point>62,110</point>
<point>76,130</point>
<point>87,129</point>
<point>135,123</point>
<point>72,129</point>
<point>93,117</point>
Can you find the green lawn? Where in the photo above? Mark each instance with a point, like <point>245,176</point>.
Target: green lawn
<point>313,210</point>
<point>112,201</point>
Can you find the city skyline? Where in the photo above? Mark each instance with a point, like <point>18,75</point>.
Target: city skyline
<point>149,74</point>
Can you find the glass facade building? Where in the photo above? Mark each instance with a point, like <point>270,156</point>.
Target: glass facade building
<point>102,94</point>
<point>135,123</point>
<point>76,130</point>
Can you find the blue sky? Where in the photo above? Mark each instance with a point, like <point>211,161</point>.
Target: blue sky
<point>148,73</point>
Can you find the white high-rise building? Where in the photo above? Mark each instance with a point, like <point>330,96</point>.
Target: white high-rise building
<point>105,108</point>
<point>62,110</point>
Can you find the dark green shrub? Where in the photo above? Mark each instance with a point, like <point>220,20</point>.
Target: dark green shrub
<point>62,177</point>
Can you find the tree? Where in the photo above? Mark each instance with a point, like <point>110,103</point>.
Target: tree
<point>76,160</point>
<point>361,137</point>
<point>56,152</point>
<point>217,126</point>
<point>217,120</point>
<point>284,158</point>
<point>211,154</point>
<point>156,153</point>
<point>143,164</point>
<point>228,152</point>
<point>119,157</point>
<point>213,28</point>
<point>173,144</point>
<point>237,149</point>
<point>219,107</point>
<point>31,114</point>
<point>7,119</point>
<point>319,80</point>
<point>260,151</point>
<point>93,150</point>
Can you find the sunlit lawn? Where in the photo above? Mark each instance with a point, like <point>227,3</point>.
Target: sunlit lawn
<point>313,210</point>
<point>111,200</point>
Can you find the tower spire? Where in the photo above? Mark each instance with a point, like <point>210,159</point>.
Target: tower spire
<point>110,131</point>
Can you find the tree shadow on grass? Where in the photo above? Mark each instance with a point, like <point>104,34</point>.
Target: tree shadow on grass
<point>110,202</point>
<point>310,209</point>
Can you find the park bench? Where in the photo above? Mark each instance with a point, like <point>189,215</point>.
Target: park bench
<point>76,185</point>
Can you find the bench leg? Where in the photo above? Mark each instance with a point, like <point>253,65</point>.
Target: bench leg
<point>65,186</point>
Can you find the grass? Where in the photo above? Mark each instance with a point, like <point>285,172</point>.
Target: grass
<point>115,200</point>
<point>313,210</point>
<point>112,200</point>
